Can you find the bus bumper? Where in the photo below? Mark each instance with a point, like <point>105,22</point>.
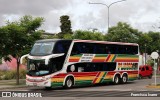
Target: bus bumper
<point>38,82</point>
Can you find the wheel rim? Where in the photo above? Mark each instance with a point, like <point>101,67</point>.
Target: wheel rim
<point>124,79</point>
<point>69,83</point>
<point>116,79</point>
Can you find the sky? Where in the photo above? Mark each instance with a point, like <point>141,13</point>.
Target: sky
<point>143,15</point>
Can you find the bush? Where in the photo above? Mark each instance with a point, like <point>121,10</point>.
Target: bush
<point>7,75</point>
<point>22,74</point>
<point>150,62</point>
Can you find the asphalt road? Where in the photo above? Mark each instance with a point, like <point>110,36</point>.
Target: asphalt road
<point>96,92</point>
<point>100,90</point>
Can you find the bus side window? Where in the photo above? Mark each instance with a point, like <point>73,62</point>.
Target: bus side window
<point>101,49</point>
<point>108,50</point>
<point>112,49</point>
<point>80,69</point>
<point>135,50</point>
<point>90,48</point>
<point>83,48</point>
<point>109,66</point>
<point>94,49</point>
<point>127,50</point>
<point>78,49</point>
<point>60,48</point>
<point>69,69</point>
<point>66,46</point>
<point>75,49</point>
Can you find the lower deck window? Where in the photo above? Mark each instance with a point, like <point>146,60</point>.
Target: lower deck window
<point>91,67</point>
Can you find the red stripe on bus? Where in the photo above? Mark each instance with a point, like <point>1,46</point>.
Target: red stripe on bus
<point>96,77</point>
<point>108,58</point>
<point>73,60</point>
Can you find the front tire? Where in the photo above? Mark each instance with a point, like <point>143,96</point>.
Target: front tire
<point>48,88</point>
<point>68,83</point>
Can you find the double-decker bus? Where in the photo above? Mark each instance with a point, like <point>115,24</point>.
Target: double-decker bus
<point>55,62</point>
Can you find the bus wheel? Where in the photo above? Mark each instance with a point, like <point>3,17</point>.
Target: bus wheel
<point>116,79</point>
<point>124,79</point>
<point>48,88</point>
<point>68,82</point>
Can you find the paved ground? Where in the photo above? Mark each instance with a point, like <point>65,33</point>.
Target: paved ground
<point>102,91</point>
<point>137,85</point>
<point>11,84</point>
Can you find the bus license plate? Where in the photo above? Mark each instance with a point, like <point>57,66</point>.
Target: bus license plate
<point>34,84</point>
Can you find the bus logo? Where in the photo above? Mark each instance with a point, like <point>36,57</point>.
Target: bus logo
<point>6,94</point>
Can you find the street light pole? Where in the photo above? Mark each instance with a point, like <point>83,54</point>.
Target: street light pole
<point>108,6</point>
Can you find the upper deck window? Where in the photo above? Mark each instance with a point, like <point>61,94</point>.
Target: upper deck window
<point>98,48</point>
<point>42,48</point>
<point>51,47</point>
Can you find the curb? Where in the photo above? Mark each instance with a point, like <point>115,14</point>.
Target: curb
<point>153,86</point>
<point>12,84</point>
<point>11,87</point>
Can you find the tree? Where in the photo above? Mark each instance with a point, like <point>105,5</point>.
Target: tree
<point>65,25</point>
<point>88,35</point>
<point>154,44</point>
<point>18,37</point>
<point>144,42</point>
<point>84,35</point>
<point>123,32</point>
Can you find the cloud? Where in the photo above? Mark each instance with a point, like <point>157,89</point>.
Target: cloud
<point>35,7</point>
<point>51,10</point>
<point>135,12</point>
<point>141,14</point>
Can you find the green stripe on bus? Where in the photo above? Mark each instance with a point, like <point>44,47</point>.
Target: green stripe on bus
<point>101,55</point>
<point>103,77</point>
<point>83,82</point>
<point>56,83</point>
<point>123,55</point>
<point>114,58</point>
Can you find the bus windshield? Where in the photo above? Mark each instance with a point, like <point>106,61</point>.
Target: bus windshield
<point>38,68</point>
<point>43,48</point>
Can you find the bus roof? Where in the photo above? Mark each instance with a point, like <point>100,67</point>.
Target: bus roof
<point>52,40</point>
<point>106,42</point>
<point>88,41</point>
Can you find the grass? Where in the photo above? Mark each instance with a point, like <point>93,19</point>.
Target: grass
<point>154,86</point>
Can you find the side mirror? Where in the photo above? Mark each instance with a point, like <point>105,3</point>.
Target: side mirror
<point>24,56</point>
